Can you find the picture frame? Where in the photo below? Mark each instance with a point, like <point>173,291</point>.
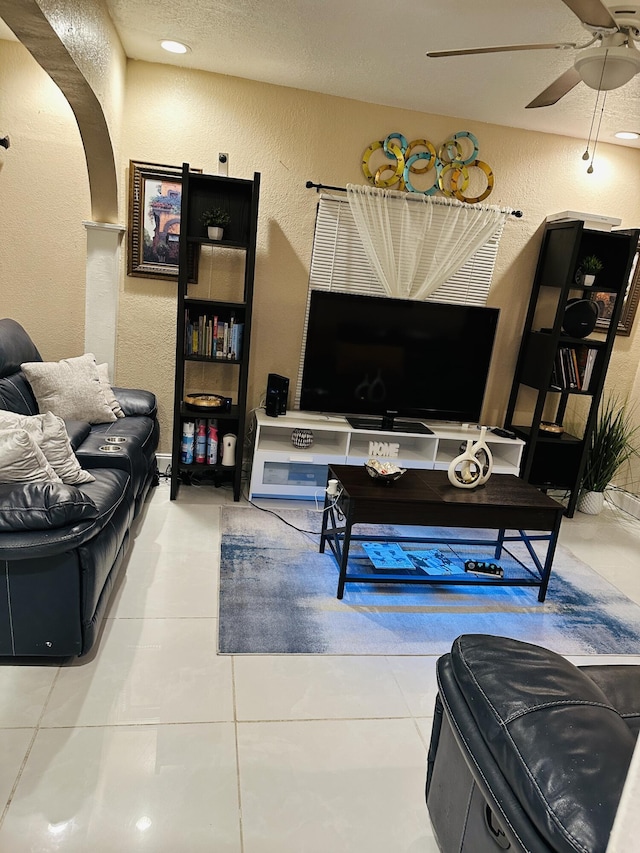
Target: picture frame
<point>606,301</point>
<point>155,195</point>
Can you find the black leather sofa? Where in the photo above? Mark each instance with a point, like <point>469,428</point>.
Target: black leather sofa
<point>62,546</point>
<point>528,752</point>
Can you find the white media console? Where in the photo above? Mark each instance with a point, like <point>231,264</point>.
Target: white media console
<point>281,470</point>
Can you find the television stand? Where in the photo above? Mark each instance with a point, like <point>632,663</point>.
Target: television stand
<point>282,470</point>
<point>389,425</point>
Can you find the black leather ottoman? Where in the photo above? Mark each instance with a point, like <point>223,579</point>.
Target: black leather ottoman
<point>528,752</point>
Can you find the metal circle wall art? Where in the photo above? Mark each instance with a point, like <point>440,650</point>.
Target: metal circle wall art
<point>455,170</point>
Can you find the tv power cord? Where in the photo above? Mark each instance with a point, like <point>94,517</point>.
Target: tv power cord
<point>335,495</point>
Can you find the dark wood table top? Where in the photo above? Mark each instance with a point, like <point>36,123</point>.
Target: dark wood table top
<point>419,494</point>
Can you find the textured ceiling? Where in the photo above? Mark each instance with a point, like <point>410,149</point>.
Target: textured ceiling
<point>374,50</point>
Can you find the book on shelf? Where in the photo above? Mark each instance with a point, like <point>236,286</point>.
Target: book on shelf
<point>588,370</point>
<point>236,340</point>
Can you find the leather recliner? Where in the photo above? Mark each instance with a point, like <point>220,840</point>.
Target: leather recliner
<point>61,546</point>
<point>528,752</point>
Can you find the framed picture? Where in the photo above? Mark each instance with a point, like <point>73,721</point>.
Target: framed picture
<point>155,195</point>
<point>606,301</point>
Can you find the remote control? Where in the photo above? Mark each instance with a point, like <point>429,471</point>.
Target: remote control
<point>503,433</point>
<point>479,567</point>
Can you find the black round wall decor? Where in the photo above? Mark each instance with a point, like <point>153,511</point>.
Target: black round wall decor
<point>580,317</point>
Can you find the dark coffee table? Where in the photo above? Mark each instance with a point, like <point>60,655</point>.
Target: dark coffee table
<point>427,499</point>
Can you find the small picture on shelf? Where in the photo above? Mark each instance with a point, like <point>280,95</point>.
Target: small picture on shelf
<point>605,300</point>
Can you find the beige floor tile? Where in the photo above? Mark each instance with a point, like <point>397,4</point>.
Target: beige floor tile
<point>160,583</point>
<point>338,785</point>
<point>146,671</point>
<point>23,693</point>
<point>417,679</point>
<point>298,687</point>
<point>14,744</point>
<point>152,788</point>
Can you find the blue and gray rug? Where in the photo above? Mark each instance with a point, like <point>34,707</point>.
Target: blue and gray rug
<point>278,596</point>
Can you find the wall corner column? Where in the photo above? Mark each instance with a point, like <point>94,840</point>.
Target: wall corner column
<point>101,293</point>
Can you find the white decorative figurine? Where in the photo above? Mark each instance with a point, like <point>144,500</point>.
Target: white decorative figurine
<point>473,466</point>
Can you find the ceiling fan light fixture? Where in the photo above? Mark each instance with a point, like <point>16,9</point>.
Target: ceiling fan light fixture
<point>605,68</point>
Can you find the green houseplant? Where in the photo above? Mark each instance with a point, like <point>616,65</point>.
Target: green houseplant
<point>216,219</point>
<point>590,266</point>
<point>613,442</point>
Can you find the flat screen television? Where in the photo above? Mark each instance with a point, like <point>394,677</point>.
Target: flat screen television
<point>385,358</point>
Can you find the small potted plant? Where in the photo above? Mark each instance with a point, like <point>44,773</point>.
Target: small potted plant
<point>589,268</point>
<point>216,221</point>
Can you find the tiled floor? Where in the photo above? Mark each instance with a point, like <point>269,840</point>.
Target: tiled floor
<point>154,743</point>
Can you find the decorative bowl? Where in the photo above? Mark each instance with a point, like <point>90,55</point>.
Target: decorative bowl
<point>207,401</point>
<point>302,438</point>
<point>383,472</point>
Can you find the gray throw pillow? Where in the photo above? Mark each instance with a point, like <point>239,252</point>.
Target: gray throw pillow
<point>70,389</point>
<point>50,434</point>
<point>21,460</point>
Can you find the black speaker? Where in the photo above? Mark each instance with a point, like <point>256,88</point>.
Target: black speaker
<point>277,392</point>
<point>580,317</point>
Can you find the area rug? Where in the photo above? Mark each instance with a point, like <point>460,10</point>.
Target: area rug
<point>278,596</point>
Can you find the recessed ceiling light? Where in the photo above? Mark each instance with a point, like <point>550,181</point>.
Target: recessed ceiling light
<point>627,134</point>
<point>174,46</point>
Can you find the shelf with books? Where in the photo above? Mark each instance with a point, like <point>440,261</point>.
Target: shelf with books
<point>212,336</point>
<point>574,369</point>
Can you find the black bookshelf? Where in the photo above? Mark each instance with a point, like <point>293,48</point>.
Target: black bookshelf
<point>553,366</point>
<point>214,333</point>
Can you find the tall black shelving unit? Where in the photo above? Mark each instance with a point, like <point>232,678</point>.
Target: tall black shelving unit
<point>552,460</point>
<point>239,198</point>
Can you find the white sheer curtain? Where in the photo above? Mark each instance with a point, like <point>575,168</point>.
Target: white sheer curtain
<point>414,242</point>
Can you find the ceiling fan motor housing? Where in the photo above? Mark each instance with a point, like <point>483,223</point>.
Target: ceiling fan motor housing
<point>605,68</point>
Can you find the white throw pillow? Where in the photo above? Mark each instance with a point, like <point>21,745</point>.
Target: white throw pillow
<point>21,460</point>
<point>70,389</point>
<point>110,397</point>
<point>50,434</point>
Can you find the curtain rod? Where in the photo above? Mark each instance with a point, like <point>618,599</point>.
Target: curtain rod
<point>310,185</point>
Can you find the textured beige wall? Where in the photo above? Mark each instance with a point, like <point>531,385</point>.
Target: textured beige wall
<point>289,136</point>
<point>90,37</point>
<point>45,196</point>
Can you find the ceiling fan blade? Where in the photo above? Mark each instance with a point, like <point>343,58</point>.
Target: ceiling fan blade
<point>592,12</point>
<point>558,89</point>
<point>436,54</point>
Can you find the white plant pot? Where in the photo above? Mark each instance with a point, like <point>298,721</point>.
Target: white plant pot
<point>591,503</point>
<point>215,232</point>
<point>588,280</point>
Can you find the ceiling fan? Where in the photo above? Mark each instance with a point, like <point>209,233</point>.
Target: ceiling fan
<point>607,61</point>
